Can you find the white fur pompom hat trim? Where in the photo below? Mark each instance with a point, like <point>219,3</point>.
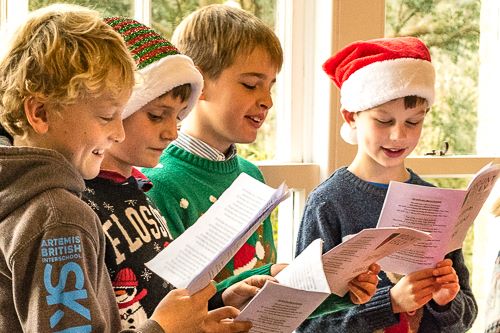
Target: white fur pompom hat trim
<point>161,77</point>
<point>371,73</point>
<point>161,67</point>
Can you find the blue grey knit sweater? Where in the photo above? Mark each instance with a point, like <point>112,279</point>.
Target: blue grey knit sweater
<point>345,204</point>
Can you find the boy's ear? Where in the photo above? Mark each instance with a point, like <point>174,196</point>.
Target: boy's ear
<point>349,118</point>
<point>202,95</point>
<point>36,114</point>
<point>205,81</point>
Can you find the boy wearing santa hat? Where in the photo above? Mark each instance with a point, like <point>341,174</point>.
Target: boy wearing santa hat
<point>386,87</point>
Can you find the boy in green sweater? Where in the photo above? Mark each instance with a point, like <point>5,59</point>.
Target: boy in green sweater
<point>239,58</point>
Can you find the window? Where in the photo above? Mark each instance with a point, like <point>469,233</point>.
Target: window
<point>106,7</point>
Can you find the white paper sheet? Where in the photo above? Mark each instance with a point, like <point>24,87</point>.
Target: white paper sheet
<point>193,259</point>
<point>311,277</point>
<point>446,214</point>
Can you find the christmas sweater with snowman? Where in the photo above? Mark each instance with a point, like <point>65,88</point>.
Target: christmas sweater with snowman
<point>186,185</point>
<point>135,232</point>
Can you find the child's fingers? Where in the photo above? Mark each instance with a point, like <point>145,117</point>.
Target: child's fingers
<point>424,290</point>
<point>364,287</point>
<point>421,275</point>
<point>444,262</point>
<point>246,290</point>
<point>367,277</point>
<point>448,278</point>
<point>423,299</point>
<point>232,326</point>
<point>223,313</point>
<point>205,294</point>
<point>221,321</point>
<point>355,294</point>
<point>259,280</point>
<point>361,293</point>
<point>450,286</point>
<point>374,268</point>
<point>276,268</point>
<point>444,270</point>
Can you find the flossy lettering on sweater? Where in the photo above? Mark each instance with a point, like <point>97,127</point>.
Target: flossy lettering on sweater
<point>135,232</point>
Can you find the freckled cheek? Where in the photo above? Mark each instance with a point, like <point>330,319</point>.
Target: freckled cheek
<point>415,134</point>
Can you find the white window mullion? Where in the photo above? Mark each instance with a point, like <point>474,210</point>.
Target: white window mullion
<point>318,150</point>
<point>142,11</point>
<point>290,83</point>
<point>12,13</point>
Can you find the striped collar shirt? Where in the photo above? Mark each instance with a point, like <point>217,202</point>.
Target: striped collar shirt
<point>197,147</point>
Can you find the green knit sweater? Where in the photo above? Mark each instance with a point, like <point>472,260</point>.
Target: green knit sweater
<point>186,185</point>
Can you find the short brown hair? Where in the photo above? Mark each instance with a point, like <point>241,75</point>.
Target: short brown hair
<point>413,101</point>
<point>213,36</point>
<point>183,92</point>
<point>62,53</point>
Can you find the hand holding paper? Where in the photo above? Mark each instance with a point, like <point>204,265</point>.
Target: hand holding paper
<point>193,259</point>
<point>311,277</point>
<point>363,287</point>
<point>445,213</point>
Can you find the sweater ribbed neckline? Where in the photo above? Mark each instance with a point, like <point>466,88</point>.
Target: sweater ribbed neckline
<point>226,166</point>
<point>371,188</point>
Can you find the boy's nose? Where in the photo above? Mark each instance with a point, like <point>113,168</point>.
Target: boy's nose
<point>118,131</point>
<point>169,131</point>
<point>266,102</point>
<point>398,132</point>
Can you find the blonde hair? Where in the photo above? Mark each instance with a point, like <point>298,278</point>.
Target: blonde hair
<point>61,54</point>
<point>213,36</point>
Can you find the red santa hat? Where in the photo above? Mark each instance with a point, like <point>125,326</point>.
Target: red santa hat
<point>373,72</point>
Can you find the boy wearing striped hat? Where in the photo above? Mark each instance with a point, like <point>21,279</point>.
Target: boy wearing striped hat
<point>239,57</point>
<point>386,87</point>
<point>168,86</point>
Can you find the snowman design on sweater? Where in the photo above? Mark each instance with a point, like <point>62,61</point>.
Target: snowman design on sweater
<point>135,233</point>
<point>128,298</point>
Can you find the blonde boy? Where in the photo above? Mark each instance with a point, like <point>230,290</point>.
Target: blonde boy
<point>387,87</point>
<point>239,58</point>
<point>64,81</point>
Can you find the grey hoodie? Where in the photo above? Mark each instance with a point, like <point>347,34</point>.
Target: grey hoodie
<point>52,271</point>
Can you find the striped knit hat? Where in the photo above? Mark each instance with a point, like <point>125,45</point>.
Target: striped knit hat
<point>160,65</point>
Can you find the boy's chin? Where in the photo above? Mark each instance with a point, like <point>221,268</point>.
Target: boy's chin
<point>89,173</point>
<point>149,163</point>
<point>247,140</point>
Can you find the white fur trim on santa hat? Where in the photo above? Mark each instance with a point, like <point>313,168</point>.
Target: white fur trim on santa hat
<point>384,81</point>
<point>162,76</point>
